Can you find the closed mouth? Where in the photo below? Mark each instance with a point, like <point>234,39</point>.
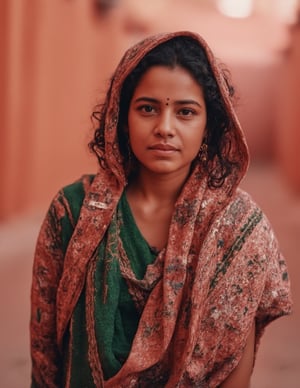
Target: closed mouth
<point>163,147</point>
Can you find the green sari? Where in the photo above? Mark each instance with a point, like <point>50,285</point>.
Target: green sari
<point>117,312</point>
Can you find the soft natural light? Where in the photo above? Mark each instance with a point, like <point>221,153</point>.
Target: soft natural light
<point>287,10</point>
<point>235,8</point>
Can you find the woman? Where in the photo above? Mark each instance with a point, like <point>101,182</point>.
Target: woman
<point>158,271</point>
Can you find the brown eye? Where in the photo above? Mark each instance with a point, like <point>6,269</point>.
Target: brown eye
<point>186,112</point>
<point>146,109</point>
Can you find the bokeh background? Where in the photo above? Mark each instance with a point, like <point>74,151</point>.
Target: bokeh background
<point>56,59</point>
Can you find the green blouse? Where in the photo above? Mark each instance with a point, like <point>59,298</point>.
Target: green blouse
<point>115,314</point>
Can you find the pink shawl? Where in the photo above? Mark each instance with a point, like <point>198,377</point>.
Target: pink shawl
<point>222,267</point>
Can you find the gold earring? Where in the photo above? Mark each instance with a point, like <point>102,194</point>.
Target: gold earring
<point>203,152</point>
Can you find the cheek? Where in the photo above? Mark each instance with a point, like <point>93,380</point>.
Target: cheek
<point>136,141</point>
<point>133,126</point>
<point>137,129</point>
<point>195,135</point>
<point>194,149</point>
<point>193,143</point>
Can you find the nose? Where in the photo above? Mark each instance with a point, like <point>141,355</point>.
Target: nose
<point>165,125</point>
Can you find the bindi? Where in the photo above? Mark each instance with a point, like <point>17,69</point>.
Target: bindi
<point>167,101</point>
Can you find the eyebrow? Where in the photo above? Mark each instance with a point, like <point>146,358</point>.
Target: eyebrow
<point>179,102</point>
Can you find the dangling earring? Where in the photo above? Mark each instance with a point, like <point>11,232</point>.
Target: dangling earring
<point>203,152</point>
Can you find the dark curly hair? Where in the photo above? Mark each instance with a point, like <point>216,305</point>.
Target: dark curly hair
<point>185,52</point>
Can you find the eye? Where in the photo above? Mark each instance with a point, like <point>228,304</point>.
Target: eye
<point>186,112</point>
<point>146,109</point>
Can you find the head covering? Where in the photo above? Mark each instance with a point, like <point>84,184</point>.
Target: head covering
<point>109,184</point>
<point>129,61</point>
<point>222,268</point>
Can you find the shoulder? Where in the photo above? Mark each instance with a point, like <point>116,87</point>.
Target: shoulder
<point>75,192</point>
<point>243,208</point>
<point>242,201</point>
<point>78,188</point>
<point>68,201</point>
<point>240,209</point>
<point>243,219</point>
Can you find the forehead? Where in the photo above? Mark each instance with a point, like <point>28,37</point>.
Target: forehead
<point>168,82</point>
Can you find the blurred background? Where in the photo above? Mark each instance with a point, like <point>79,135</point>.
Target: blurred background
<point>56,59</point>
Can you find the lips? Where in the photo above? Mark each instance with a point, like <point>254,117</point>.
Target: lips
<point>163,147</point>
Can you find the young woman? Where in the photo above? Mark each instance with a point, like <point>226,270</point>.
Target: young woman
<point>158,271</point>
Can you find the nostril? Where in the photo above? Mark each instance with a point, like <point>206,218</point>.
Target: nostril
<point>165,129</point>
<point>164,133</point>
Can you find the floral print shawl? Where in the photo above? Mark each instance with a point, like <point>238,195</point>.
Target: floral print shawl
<point>220,271</point>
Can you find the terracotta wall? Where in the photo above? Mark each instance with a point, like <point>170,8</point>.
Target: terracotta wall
<point>57,56</point>
<point>288,113</point>
<point>56,59</point>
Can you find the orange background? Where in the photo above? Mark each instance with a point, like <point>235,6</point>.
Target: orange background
<point>58,55</point>
<point>56,59</point>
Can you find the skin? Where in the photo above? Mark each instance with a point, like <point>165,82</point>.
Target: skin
<point>167,108</point>
<point>166,126</point>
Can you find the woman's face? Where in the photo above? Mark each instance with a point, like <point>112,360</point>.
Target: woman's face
<point>166,120</point>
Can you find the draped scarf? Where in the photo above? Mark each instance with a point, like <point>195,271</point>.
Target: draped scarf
<point>221,269</point>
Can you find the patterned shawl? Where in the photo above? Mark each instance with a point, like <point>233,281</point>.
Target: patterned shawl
<point>221,268</point>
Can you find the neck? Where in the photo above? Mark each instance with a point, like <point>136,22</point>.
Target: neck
<point>160,188</point>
